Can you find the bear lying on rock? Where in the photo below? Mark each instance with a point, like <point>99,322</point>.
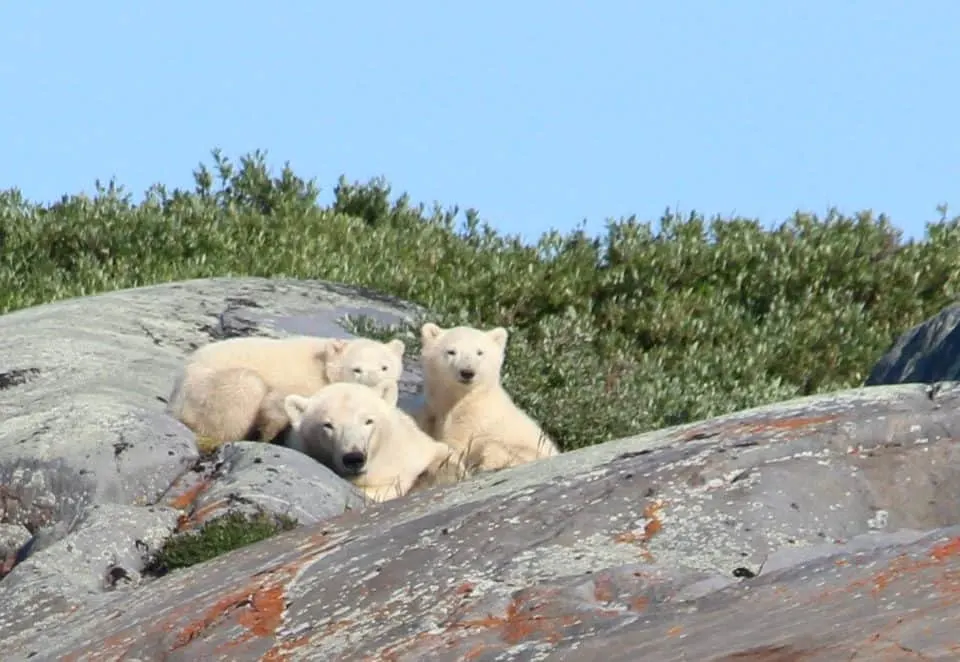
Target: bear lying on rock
<point>233,389</point>
<point>360,433</point>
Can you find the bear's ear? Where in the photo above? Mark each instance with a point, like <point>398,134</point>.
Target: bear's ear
<point>337,346</point>
<point>499,336</point>
<point>429,332</point>
<point>388,391</point>
<point>295,406</point>
<point>331,348</point>
<point>397,347</point>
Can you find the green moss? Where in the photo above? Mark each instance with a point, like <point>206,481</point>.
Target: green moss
<point>642,327</point>
<point>216,537</point>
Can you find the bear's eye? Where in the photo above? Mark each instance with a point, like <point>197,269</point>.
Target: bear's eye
<point>328,426</point>
<point>369,421</point>
<point>357,370</point>
<point>451,352</point>
<point>479,352</point>
<point>384,367</point>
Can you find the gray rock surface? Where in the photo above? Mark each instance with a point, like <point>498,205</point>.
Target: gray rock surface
<point>824,528</point>
<point>91,464</point>
<point>105,551</point>
<point>251,477</point>
<point>927,353</point>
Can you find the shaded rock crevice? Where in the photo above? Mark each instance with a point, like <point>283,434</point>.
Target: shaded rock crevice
<point>17,377</point>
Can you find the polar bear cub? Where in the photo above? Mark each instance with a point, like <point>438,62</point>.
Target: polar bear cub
<point>233,389</point>
<point>359,433</point>
<point>465,405</point>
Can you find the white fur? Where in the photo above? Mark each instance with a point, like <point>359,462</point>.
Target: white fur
<point>345,418</point>
<point>234,389</point>
<point>465,405</point>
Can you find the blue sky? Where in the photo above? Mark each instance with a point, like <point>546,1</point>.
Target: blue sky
<point>539,114</point>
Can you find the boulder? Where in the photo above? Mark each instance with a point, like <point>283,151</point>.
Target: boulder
<point>95,475</point>
<point>252,477</point>
<point>927,353</point>
<point>823,528</point>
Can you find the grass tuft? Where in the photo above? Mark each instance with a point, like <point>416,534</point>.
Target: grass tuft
<point>216,537</point>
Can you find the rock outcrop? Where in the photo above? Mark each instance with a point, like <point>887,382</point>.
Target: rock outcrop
<point>927,353</point>
<point>95,476</point>
<point>824,528</point>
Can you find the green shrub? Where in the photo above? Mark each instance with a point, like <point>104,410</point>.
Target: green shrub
<point>610,336</point>
<point>218,536</point>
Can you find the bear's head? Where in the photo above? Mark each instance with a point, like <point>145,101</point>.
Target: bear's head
<point>463,357</point>
<point>341,425</point>
<point>364,361</point>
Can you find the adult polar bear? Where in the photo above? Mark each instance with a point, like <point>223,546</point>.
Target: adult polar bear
<point>465,404</point>
<point>234,389</point>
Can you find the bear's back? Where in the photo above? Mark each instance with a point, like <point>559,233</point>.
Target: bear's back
<point>294,359</point>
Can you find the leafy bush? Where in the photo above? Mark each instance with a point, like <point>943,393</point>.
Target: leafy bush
<point>610,336</point>
<point>218,536</point>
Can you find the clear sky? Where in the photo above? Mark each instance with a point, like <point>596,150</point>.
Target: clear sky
<point>539,114</point>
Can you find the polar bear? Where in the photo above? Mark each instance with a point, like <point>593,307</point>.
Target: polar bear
<point>233,389</point>
<point>465,405</point>
<point>360,433</point>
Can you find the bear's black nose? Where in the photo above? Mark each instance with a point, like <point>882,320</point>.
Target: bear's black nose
<point>353,461</point>
<point>467,374</point>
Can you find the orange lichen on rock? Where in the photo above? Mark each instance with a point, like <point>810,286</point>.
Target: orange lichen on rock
<point>654,524</point>
<point>475,652</point>
<point>281,652</point>
<point>628,536</point>
<point>652,527</point>
<point>188,497</point>
<point>266,611</point>
<point>734,428</point>
<point>185,500</point>
<point>213,614</point>
<point>258,606</point>
<point>603,589</point>
<point>639,603</point>
<point>517,626</point>
<point>520,621</point>
<point>903,565</point>
<point>945,550</point>
<point>199,516</point>
<point>531,616</point>
<point>789,423</point>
